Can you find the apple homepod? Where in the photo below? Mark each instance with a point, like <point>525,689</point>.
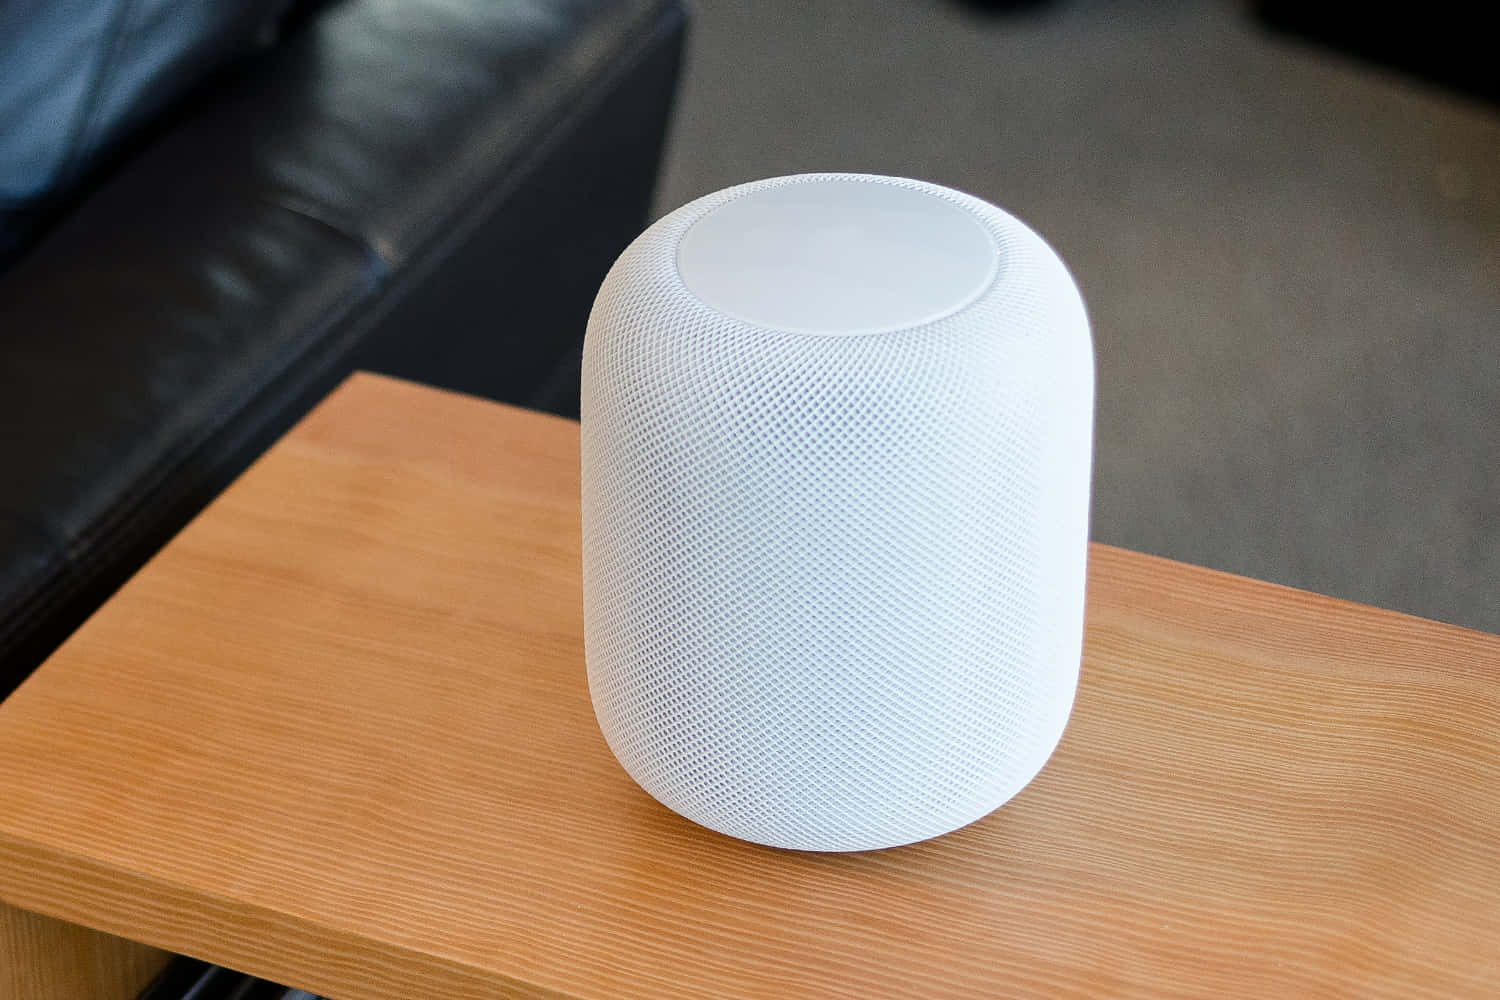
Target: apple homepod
<point>836,433</point>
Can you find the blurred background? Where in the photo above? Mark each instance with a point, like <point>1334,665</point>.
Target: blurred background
<point>1287,229</point>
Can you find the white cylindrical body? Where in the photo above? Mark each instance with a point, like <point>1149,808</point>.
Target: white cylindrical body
<point>837,436</point>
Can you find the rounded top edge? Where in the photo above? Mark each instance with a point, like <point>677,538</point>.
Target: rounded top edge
<point>837,254</point>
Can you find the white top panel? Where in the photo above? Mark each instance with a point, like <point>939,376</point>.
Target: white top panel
<point>838,256</point>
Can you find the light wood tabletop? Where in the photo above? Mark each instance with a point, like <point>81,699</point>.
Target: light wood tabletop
<point>338,734</point>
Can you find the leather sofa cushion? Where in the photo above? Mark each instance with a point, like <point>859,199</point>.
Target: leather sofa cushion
<point>79,78</point>
<point>397,184</point>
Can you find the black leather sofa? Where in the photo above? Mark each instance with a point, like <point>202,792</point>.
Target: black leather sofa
<point>428,188</point>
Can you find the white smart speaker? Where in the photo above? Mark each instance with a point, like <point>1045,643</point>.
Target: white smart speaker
<point>837,432</point>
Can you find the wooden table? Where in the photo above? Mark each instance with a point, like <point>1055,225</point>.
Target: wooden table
<point>338,734</point>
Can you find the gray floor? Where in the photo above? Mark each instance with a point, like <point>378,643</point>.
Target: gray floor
<point>1292,260</point>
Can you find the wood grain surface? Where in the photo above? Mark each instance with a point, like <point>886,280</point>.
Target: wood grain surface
<point>42,958</point>
<point>338,734</point>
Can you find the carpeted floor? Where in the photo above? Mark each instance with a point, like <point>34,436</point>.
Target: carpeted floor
<point>1292,259</point>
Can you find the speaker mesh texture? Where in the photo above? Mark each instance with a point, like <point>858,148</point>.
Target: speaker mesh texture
<point>833,585</point>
